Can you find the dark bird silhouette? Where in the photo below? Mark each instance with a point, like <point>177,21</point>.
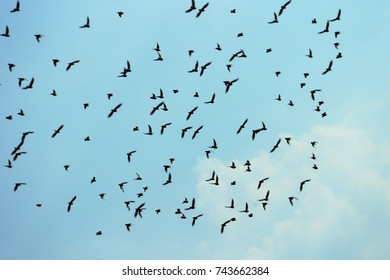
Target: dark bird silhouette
<point>114,110</point>
<point>163,127</point>
<point>9,165</point>
<point>30,85</point>
<point>261,182</point>
<point>128,226</point>
<point>315,167</point>
<point>202,10</point>
<point>38,205</point>
<point>58,130</point>
<point>313,143</point>
<point>70,203</point>
<point>6,33</point>
<point>336,45</point>
<point>211,101</point>
<point>218,48</point>
<point>85,105</point>
<point>66,167</point>
<point>20,81</point>
<point>302,85</point>
<point>303,183</point>
<point>21,113</point>
<point>288,140</point>
<point>127,203</point>
<point>17,185</point>
<point>246,210</point>
<point>154,109</point>
<point>275,20</point>
<point>192,7</point>
<point>9,117</point>
<point>277,73</point>
<point>121,185</point>
<point>310,55</point>
<point>323,115</point>
<point>231,206</point>
<point>233,165</point>
<point>55,62</point>
<point>195,69</point>
<point>276,145</point>
<point>240,34</point>
<point>138,210</point>
<point>17,8</point>
<point>184,130</point>
<point>336,34</point>
<point>290,103</point>
<point>158,211</point>
<point>197,131</point>
<point>313,156</point>
<point>190,113</point>
<point>291,198</point>
<point>339,55</point>
<point>196,94</point>
<point>282,8</point>
<point>306,75</point>
<point>38,37</point>
<point>53,93</point>
<point>169,180</point>
<point>138,177</point>
<point>313,92</point>
<point>279,98</point>
<point>214,146</point>
<point>192,205</point>
<point>93,180</point>
<point>120,13</point>
<point>159,57</point>
<point>216,182</point>
<point>195,218</point>
<point>10,66</point>
<point>223,225</point>
<point>326,28</point>
<point>157,48</point>
<point>70,64</point>
<point>329,68</point>
<point>337,17</point>
<point>228,84</point>
<point>208,154</point>
<point>212,178</point>
<point>102,195</point>
<point>264,205</point>
<point>242,126</point>
<point>255,131</point>
<point>266,197</point>
<point>313,21</point>
<point>204,67</point>
<point>190,52</point>
<point>126,70</point>
<point>87,139</point>
<point>268,50</point>
<point>99,233</point>
<point>86,25</point>
<point>228,66</point>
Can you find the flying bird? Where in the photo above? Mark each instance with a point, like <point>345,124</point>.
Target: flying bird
<point>303,183</point>
<point>138,210</point>
<point>275,19</point>
<point>184,130</point>
<point>242,126</point>
<point>203,68</point>
<point>70,64</point>
<point>195,69</point>
<point>228,84</point>
<point>282,8</point>
<point>291,198</point>
<point>163,127</point>
<point>86,25</point>
<point>114,110</point>
<point>58,130</point>
<point>17,185</point>
<point>192,205</point>
<point>231,206</point>
<point>195,218</point>
<point>211,101</point>
<point>261,182</point>
<point>276,145</point>
<point>169,180</point>
<point>223,225</point>
<point>9,165</point>
<point>310,55</point>
<point>70,203</point>
<point>197,131</point>
<point>38,37</point>
<point>266,197</point>
<point>17,8</point>
<point>214,146</point>
<point>6,33</point>
<point>329,68</point>
<point>128,226</point>
<point>337,17</point>
<point>30,85</point>
<point>192,7</point>
<point>201,10</point>
<point>326,28</point>
<point>246,210</point>
<point>190,113</point>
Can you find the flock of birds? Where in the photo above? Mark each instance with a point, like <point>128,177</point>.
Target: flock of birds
<point>187,206</point>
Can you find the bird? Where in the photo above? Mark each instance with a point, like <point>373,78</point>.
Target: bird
<point>336,45</point>
<point>9,117</point>
<point>214,146</point>
<point>110,95</point>
<point>231,206</point>
<point>268,50</point>
<point>313,156</point>
<point>242,126</point>
<point>195,69</point>
<point>159,57</point>
<point>38,37</point>
<point>255,131</point>
<point>312,92</point>
<point>275,146</point>
<point>169,180</point>
<point>278,98</point>
<point>277,73</point>
<point>229,66</point>
<point>233,165</point>
<point>184,130</point>
<point>70,203</point>
<point>86,139</point>
<point>99,232</point>
<point>192,7</point>
<point>337,17</point>
<point>228,84</point>
<point>6,33</point>
<point>197,131</point>
<point>157,48</point>
<point>120,13</point>
<point>17,185</point>
<point>138,210</point>
<point>128,226</point>
<point>58,130</point>
<point>240,34</point>
<point>192,205</point>
<point>38,205</point>
<point>204,67</point>
<point>202,10</point>
<point>30,85</point>
<point>163,127</point>
<point>336,34</point>
<point>93,180</point>
<point>55,62</point>
<point>303,183</point>
<point>246,210</point>
<point>313,21</point>
<point>282,8</point>
<point>190,113</point>
<point>339,55</point>
<point>102,195</point>
<point>275,20</point>
<point>266,197</point>
<point>291,198</point>
<point>233,11</point>
<point>114,110</point>
<point>127,203</point>
<point>211,101</point>
<point>86,25</point>
<point>66,167</point>
<point>218,48</point>
<point>70,64</point>
<point>10,66</point>
<point>302,85</point>
<point>53,93</point>
<point>138,177</point>
<point>162,103</point>
<point>306,75</point>
<point>313,143</point>
<point>326,28</point>
<point>261,182</point>
<point>195,218</point>
<point>329,68</point>
<point>223,225</point>
<point>310,55</point>
<point>20,81</point>
<point>290,103</point>
<point>190,52</point>
<point>288,140</point>
<point>264,205</point>
<point>158,211</point>
<point>21,113</point>
<point>315,167</point>
<point>121,185</point>
<point>17,8</point>
<point>9,165</point>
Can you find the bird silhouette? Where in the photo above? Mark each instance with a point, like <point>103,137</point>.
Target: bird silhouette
<point>192,7</point>
<point>276,145</point>
<point>93,180</point>
<point>120,13</point>
<point>204,67</point>
<point>310,55</point>
<point>17,185</point>
<point>329,68</point>
<point>114,110</point>
<point>261,182</point>
<point>184,130</point>
<point>30,85</point>
<point>38,37</point>
<point>169,180</point>
<point>86,25</point>
<point>159,57</point>
<point>163,127</point>
<point>127,203</point>
<point>228,84</point>
<point>58,130</point>
<point>283,7</point>
<point>214,146</point>
<point>70,64</point>
<point>242,126</point>
<point>192,205</point>
<point>6,33</point>
<point>202,10</point>
<point>102,195</point>
<point>337,17</point>
<point>9,165</point>
<point>195,69</point>
<point>218,48</point>
<point>326,28</point>
<point>291,198</point>
<point>121,185</point>
<point>223,225</point>
<point>303,183</point>
<point>17,8</point>
<point>266,197</point>
<point>246,210</point>
<point>190,113</point>
<point>231,206</point>
<point>195,218</point>
<point>275,20</point>
<point>212,100</point>
<point>138,210</point>
<point>197,131</point>
<point>98,233</point>
<point>70,203</point>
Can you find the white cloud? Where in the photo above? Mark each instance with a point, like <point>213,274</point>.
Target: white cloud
<point>342,213</point>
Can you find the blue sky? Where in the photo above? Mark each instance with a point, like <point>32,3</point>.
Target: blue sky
<point>342,213</point>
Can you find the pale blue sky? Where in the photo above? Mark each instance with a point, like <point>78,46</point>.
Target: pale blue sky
<point>342,212</point>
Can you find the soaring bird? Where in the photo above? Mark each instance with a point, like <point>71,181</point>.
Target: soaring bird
<point>70,203</point>
<point>86,25</point>
<point>303,183</point>
<point>184,130</point>
<point>228,84</point>
<point>197,131</point>
<point>190,113</point>
<point>120,13</point>
<point>246,210</point>
<point>242,126</point>
<point>266,197</point>
<point>329,68</point>
<point>169,180</point>
<point>218,48</point>
<point>326,28</point>
<point>38,37</point>
<point>6,33</point>
<point>312,92</point>
<point>211,101</point>
<point>195,218</point>
<point>55,62</point>
<point>30,85</point>
<point>58,130</point>
<point>128,226</point>
<point>276,145</point>
<point>214,146</point>
<point>17,8</point>
<point>70,64</point>
<point>310,55</point>
<point>201,10</point>
<point>114,110</point>
<point>223,225</point>
<point>17,185</point>
<point>195,69</point>
<point>337,17</point>
<point>9,165</point>
<point>282,8</point>
<point>231,204</point>
<point>204,67</point>
<point>121,185</point>
<point>150,131</point>
<point>291,198</point>
<point>261,182</point>
<point>192,7</point>
<point>138,210</point>
<point>192,207</point>
<point>275,19</point>
<point>163,127</point>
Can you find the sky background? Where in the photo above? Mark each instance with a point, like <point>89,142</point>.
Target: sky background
<point>342,213</point>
